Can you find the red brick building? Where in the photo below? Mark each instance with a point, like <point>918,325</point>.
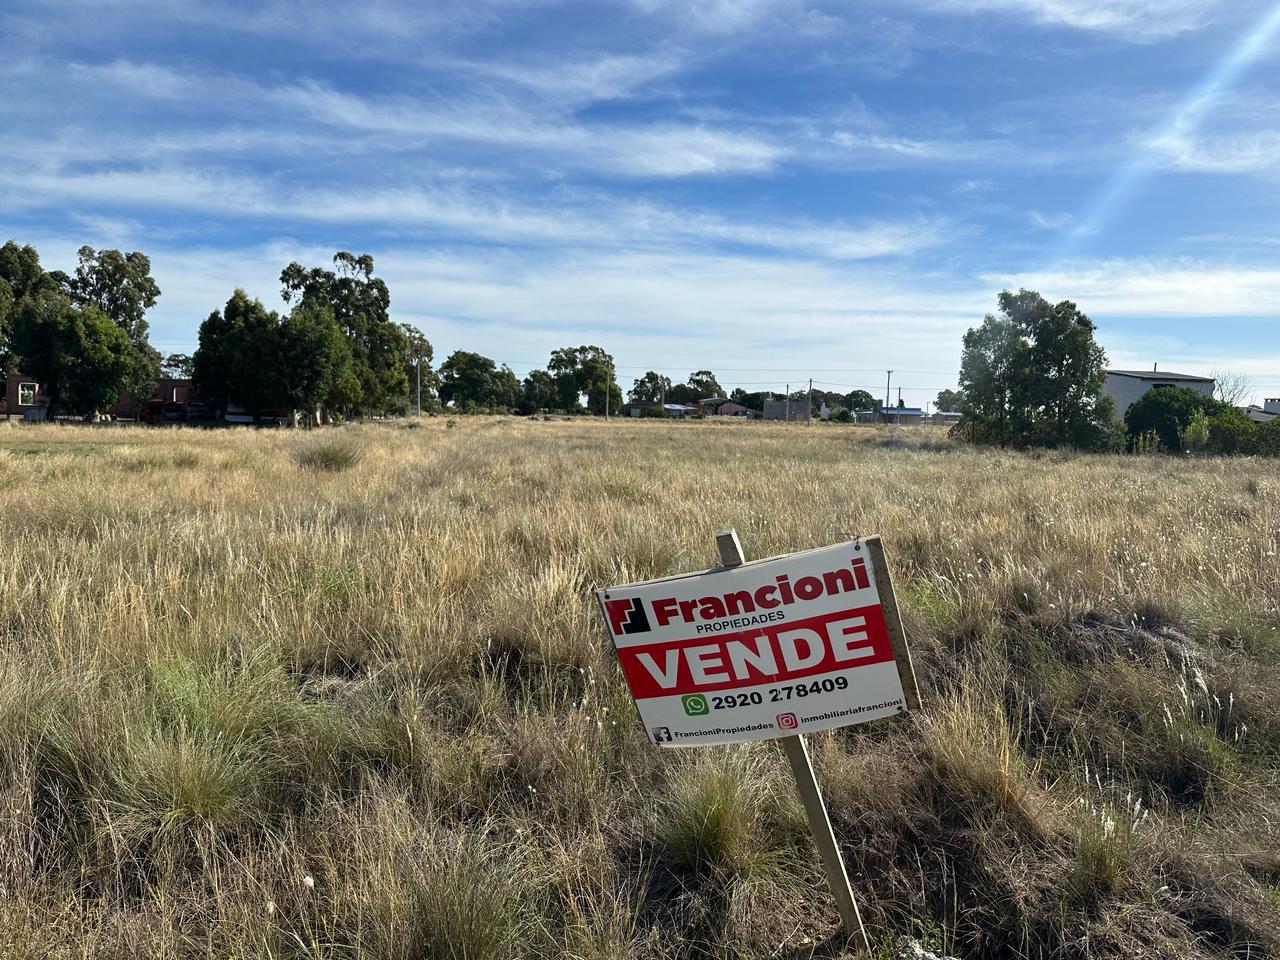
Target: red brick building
<point>23,394</point>
<point>174,400</point>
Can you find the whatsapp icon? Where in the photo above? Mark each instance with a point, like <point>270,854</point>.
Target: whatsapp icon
<point>695,704</point>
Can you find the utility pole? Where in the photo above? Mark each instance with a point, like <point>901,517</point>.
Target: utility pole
<point>786,417</point>
<point>419,366</point>
<point>887,380</point>
<point>810,417</point>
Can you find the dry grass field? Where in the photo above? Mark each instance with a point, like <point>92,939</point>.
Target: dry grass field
<point>346,694</point>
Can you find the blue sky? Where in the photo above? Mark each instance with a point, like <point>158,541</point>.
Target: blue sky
<point>774,189</point>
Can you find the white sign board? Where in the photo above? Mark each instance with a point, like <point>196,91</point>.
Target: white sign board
<point>768,649</point>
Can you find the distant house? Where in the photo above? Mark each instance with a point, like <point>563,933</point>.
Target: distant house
<point>1126,387</point>
<point>169,402</point>
<point>731,409</point>
<point>174,400</point>
<point>1269,410</point>
<point>793,410</point>
<point>901,416</point>
<point>24,398</point>
<point>945,419</point>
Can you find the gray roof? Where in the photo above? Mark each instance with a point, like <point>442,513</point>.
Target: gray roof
<point>1159,375</point>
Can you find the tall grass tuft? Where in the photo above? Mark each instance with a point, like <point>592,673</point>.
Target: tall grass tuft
<point>478,898</point>
<point>329,455</point>
<point>715,814</point>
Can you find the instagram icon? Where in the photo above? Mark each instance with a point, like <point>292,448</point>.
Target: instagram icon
<point>786,721</point>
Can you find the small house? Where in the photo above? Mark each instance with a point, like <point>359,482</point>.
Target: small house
<point>1126,387</point>
<point>793,410</point>
<point>24,398</point>
<point>1269,410</point>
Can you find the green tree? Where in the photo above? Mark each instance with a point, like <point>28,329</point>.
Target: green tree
<point>539,389</point>
<point>993,378</point>
<point>177,365</point>
<point>861,400</point>
<point>467,381</point>
<point>948,401</point>
<point>360,303</point>
<point>118,284</point>
<point>508,392</point>
<point>417,364</point>
<point>121,286</point>
<point>1167,411</point>
<point>653,387</point>
<point>237,357</point>
<point>584,370</point>
<point>21,278</point>
<point>79,356</point>
<point>312,359</point>
<point>1033,375</point>
<point>682,393</point>
<point>703,384</point>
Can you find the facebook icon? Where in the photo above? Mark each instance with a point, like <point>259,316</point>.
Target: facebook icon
<point>662,735</point>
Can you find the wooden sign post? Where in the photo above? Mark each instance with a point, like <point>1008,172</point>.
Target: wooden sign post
<point>815,807</point>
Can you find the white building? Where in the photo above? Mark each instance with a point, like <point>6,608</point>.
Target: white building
<point>1126,386</point>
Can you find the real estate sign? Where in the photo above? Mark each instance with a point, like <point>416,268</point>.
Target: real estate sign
<point>774,648</point>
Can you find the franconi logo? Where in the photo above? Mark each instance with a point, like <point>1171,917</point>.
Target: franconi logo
<point>627,616</point>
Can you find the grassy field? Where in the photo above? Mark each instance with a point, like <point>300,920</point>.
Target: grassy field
<point>346,694</point>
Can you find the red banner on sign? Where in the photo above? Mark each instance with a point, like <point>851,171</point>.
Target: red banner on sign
<point>786,651</point>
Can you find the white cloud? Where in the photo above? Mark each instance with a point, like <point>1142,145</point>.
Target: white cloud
<point>1153,288</point>
<point>568,218</point>
<point>405,124</point>
<point>1140,20</point>
<point>1246,152</point>
<point>1050,221</point>
<point>579,79</point>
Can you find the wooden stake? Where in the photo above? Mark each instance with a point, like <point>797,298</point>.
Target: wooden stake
<point>802,769</point>
<point>893,621</point>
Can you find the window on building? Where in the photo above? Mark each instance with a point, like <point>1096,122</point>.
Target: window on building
<point>27,394</point>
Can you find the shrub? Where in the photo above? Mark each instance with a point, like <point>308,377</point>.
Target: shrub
<point>1267,438</point>
<point>1167,411</point>
<point>1230,431</point>
<point>1194,437</point>
<point>331,455</point>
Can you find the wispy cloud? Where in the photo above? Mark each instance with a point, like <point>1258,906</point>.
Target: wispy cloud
<point>1050,221</point>
<point>1243,152</point>
<point>572,218</point>
<point>665,148</point>
<point>1140,20</point>
<point>1154,288</point>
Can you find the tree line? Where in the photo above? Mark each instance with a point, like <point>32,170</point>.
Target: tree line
<point>83,337</point>
<point>1032,375</point>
